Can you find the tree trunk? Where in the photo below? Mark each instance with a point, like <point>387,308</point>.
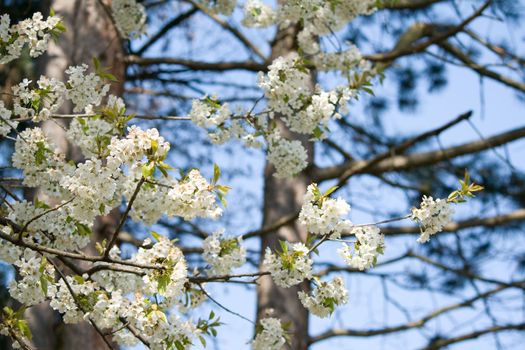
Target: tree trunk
<point>283,197</point>
<point>89,34</point>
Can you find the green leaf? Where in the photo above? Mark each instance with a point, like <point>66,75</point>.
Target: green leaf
<point>148,169</point>
<point>43,284</point>
<point>223,189</point>
<point>179,345</point>
<point>202,340</point>
<point>284,246</point>
<point>24,329</point>
<point>79,279</point>
<point>8,311</point>
<point>82,229</point>
<point>163,171</point>
<point>154,146</point>
<point>40,154</point>
<point>156,236</point>
<point>221,198</point>
<point>216,173</point>
<point>330,191</point>
<point>96,63</point>
<point>318,133</point>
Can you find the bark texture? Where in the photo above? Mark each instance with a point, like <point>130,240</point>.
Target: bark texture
<point>283,197</point>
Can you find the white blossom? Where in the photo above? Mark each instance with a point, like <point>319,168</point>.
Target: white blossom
<point>95,190</point>
<point>323,215</point>
<point>270,335</point>
<point>289,267</point>
<point>432,216</point>
<point>288,157</point>
<point>34,32</point>
<point>370,243</point>
<point>6,124</point>
<point>325,297</point>
<point>137,145</point>
<point>208,112</point>
<point>64,302</point>
<point>43,165</point>
<point>36,279</point>
<point>92,135</point>
<point>130,17</point>
<point>304,108</point>
<point>168,281</point>
<point>84,90</point>
<point>223,254</point>
<point>257,14</point>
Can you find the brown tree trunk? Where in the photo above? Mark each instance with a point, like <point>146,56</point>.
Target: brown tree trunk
<point>89,34</point>
<point>283,197</point>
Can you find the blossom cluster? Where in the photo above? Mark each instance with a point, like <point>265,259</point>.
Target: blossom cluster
<point>225,7</point>
<point>270,335</point>
<point>92,135</point>
<point>130,17</point>
<point>321,17</point>
<point>6,125</point>
<point>56,229</point>
<point>258,14</point>
<point>304,107</point>
<point>208,112</point>
<point>84,90</point>
<point>39,101</point>
<point>325,297</point>
<point>35,276</point>
<point>287,86</point>
<point>98,299</point>
<point>289,267</point>
<point>370,243</point>
<point>432,216</point>
<point>190,197</point>
<point>323,215</point>
<point>288,157</point>
<point>34,32</point>
<point>223,254</point>
<point>42,163</point>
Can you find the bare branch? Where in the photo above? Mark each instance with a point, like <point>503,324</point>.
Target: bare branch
<point>390,162</point>
<point>124,217</point>
<point>405,47</point>
<point>408,4</point>
<point>517,215</point>
<point>414,324</point>
<point>197,65</point>
<point>167,27</point>
<point>469,62</point>
<point>236,33</point>
<point>440,343</point>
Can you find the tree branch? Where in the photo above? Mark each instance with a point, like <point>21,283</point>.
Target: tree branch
<point>410,325</point>
<point>197,65</point>
<point>440,343</point>
<point>405,47</point>
<point>408,4</point>
<point>225,25</point>
<point>469,62</point>
<point>167,27</point>
<point>388,161</point>
<point>517,215</point>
